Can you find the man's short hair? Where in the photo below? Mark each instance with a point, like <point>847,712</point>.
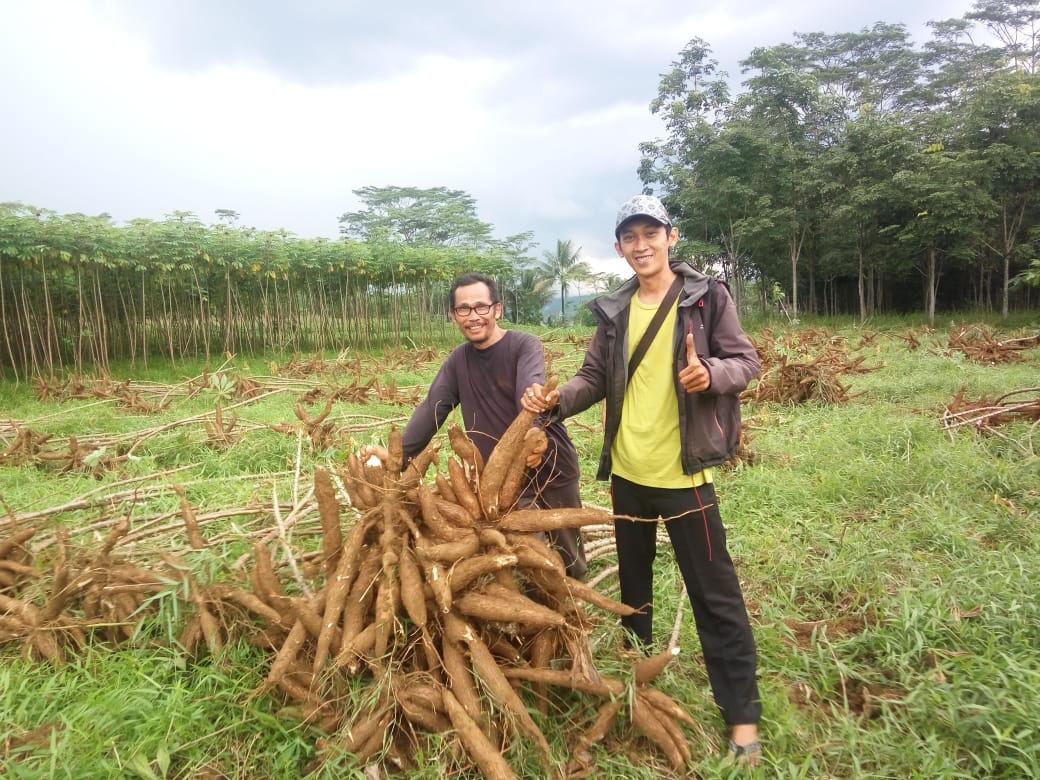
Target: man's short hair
<point>472,277</point>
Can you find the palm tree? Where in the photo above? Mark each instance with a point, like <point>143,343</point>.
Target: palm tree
<point>563,266</point>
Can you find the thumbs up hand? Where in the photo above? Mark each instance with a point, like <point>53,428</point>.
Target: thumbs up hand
<point>695,377</point>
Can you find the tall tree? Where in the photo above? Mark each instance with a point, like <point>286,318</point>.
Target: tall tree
<point>436,216</point>
<point>564,267</point>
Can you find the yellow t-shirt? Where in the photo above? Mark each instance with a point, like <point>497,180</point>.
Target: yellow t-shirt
<point>646,447</point>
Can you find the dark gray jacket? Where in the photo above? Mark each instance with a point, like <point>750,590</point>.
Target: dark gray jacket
<point>709,421</point>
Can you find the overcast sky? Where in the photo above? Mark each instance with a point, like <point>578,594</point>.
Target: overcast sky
<point>278,110</point>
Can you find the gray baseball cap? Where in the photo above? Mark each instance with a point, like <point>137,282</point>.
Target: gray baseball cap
<point>641,206</point>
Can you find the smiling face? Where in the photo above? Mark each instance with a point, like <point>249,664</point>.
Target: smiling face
<point>481,330</point>
<point>644,243</point>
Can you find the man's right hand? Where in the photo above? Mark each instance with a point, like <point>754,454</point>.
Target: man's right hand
<point>535,399</point>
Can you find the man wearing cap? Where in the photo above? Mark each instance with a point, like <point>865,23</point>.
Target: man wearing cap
<point>672,415</point>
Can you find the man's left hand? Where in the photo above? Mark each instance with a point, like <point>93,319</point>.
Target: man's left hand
<point>695,377</point>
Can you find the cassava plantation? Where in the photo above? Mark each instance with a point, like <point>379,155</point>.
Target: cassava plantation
<point>198,577</point>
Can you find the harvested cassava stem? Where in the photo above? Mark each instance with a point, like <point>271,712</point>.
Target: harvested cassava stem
<point>506,451</point>
<point>191,523</point>
<point>329,514</point>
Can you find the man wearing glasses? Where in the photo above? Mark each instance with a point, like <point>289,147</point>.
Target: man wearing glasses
<point>487,376</point>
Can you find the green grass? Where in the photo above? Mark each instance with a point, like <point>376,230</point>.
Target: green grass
<point>890,568</point>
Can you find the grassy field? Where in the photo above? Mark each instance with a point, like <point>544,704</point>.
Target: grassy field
<point>890,563</point>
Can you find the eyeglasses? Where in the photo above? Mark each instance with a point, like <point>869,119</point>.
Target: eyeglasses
<point>465,311</point>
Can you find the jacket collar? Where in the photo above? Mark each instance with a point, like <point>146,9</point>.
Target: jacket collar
<point>695,285</point>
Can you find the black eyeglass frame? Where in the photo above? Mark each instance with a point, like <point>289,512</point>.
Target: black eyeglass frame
<point>481,309</point>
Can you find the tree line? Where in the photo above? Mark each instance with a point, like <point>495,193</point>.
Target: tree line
<point>857,173</point>
<point>79,291</point>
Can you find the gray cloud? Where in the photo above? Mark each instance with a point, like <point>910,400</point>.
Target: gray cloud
<point>277,110</point>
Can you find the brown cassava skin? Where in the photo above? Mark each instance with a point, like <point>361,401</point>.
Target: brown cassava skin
<point>412,596</point>
<point>647,722</point>
<point>419,465</point>
<point>444,489</point>
<point>265,584</point>
<point>464,495</point>
<point>356,647</point>
<point>667,724</point>
<point>459,679</point>
<point>463,446</point>
<point>506,451</point>
<point>455,514</point>
<point>362,594</point>
<point>490,674</point>
<point>191,523</point>
<point>395,453</point>
<point>647,669</point>
<point>497,609</point>
<point>536,520</point>
<point>287,653</point>
<point>250,601</point>
<point>606,715</point>
<point>329,514</point>
<point>534,441</point>
<point>666,704</point>
<point>469,569</point>
<point>8,545</point>
<point>435,523</point>
<point>338,589</point>
<point>479,748</point>
<point>450,552</point>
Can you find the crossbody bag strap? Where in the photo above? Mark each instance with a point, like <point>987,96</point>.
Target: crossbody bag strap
<point>655,325</point>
